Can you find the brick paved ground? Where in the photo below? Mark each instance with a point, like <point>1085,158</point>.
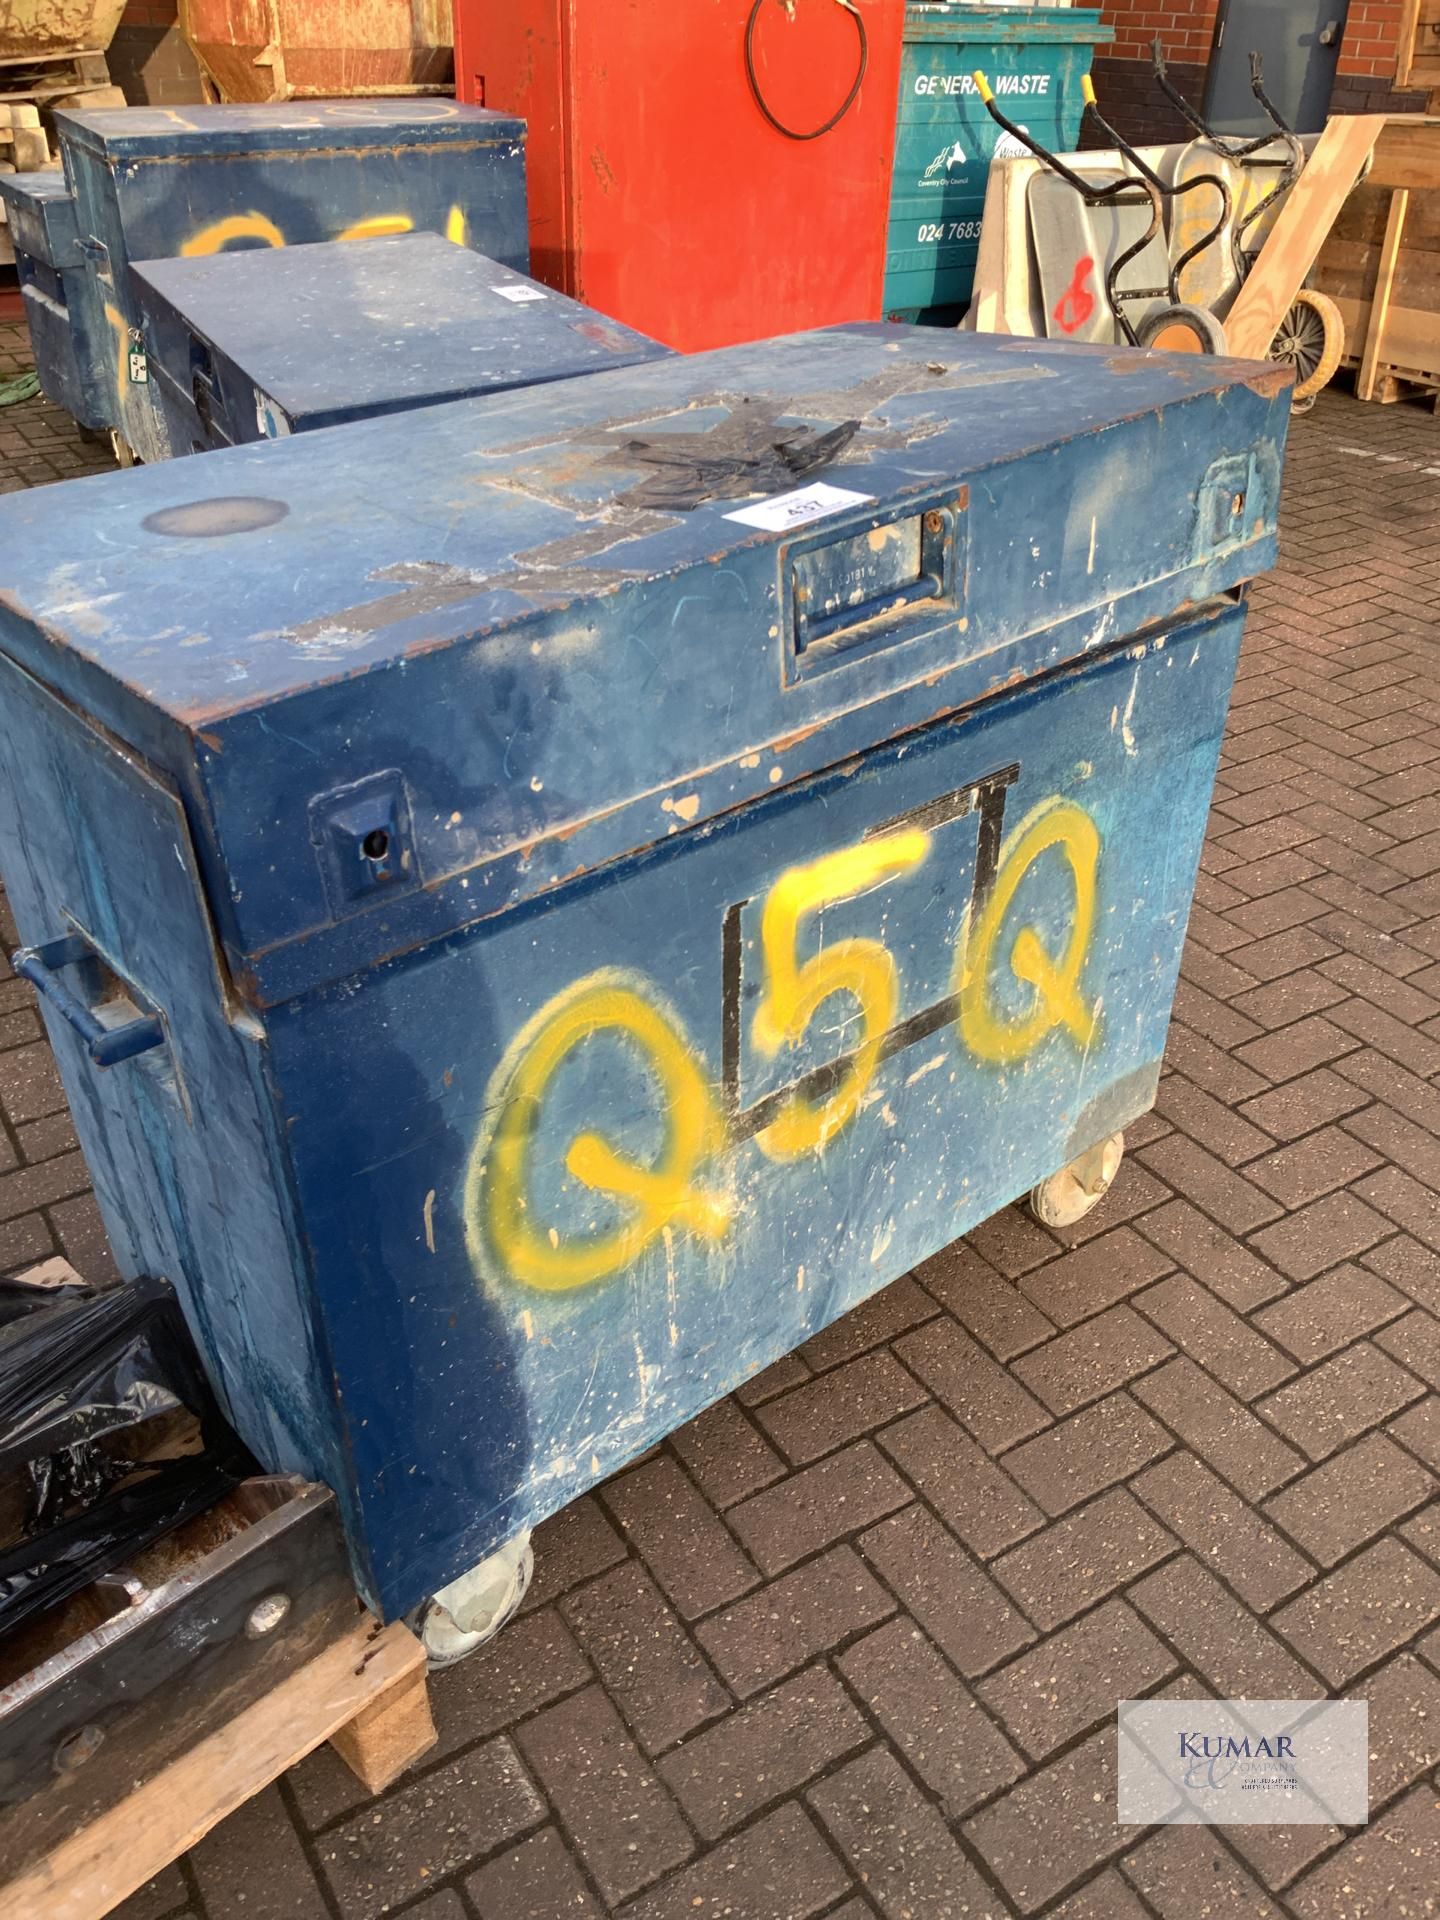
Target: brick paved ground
<point>850,1644</point>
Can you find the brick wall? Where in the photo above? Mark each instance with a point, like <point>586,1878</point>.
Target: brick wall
<point>1365,81</point>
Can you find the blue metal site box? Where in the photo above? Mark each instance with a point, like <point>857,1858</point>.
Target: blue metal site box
<point>595,882</point>
<point>146,183</point>
<point>257,345</point>
<point>1035,58</point>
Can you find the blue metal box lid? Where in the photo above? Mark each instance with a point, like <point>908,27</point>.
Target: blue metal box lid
<point>532,633</point>
<point>296,127</point>
<point>348,328</point>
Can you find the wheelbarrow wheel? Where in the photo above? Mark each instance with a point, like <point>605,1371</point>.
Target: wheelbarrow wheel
<point>1311,339</point>
<point>1067,1196</point>
<point>1181,330</point>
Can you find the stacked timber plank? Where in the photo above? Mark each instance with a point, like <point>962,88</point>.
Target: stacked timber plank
<point>1381,264</point>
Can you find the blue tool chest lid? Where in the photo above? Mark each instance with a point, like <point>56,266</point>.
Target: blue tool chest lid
<point>345,328</point>
<point>519,637</point>
<point>297,126</point>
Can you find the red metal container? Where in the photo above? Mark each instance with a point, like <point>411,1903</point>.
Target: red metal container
<point>659,191</point>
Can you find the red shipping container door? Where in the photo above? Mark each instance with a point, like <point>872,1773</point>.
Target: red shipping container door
<point>659,191</point>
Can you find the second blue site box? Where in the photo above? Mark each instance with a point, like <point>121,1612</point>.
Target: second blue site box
<point>258,345</point>
<point>542,903</point>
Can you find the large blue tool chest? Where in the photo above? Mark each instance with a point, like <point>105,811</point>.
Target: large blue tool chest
<point>145,183</point>
<point>547,901</point>
<point>257,345</point>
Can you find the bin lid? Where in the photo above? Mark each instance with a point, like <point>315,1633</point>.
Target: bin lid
<point>567,622</point>
<point>347,328</point>
<point>295,127</point>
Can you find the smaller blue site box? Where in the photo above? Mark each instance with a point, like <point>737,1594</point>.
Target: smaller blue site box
<point>257,345</point>
<point>145,183</point>
<point>543,902</point>
<point>1035,58</point>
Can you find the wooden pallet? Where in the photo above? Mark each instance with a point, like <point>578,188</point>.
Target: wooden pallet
<point>40,77</point>
<point>366,1695</point>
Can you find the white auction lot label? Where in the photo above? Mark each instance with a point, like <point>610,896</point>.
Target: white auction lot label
<point>1244,1763</point>
<point>794,509</point>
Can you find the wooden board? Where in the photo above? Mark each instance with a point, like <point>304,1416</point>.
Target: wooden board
<point>1306,218</point>
<point>1407,153</point>
<point>367,1692</point>
<point>1384,286</point>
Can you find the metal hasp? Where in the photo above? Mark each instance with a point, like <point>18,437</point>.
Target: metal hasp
<point>257,345</point>
<point>1036,58</point>
<point>151,183</point>
<point>786,770</point>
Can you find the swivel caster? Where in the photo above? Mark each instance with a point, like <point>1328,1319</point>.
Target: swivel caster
<point>461,1617</point>
<point>1067,1196</point>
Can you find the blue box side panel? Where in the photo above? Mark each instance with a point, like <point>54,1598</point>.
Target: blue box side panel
<point>180,1142</point>
<point>568,1179</point>
<point>945,140</point>
<point>201,203</point>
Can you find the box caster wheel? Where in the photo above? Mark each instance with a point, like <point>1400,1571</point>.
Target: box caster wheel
<point>460,1618</point>
<point>1067,1196</point>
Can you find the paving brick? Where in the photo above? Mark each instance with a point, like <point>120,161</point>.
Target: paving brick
<point>24,1241</point>
<point>1415,1342</point>
<point>1094,1276</point>
<point>1012,1242</point>
<point>891,1311</point>
<point>1377,1602</point>
<point>1423,1532</point>
<point>1389,1870</point>
<point>1351,1498</point>
<point>1087,1453</point>
<point>29,1083</point>
<point>1072,1681</point>
<point>577,1542</point>
<point>788,1622</point>
<point>1082,1559</point>
<point>623,1822</point>
<point>1107,1897</point>
<point>30,1187</point>
<point>931,1716</point>
<point>984,1301</point>
<point>725,1455</point>
<point>956,1603</point>
<point>1226,1534</point>
<point>1409,1266</point>
<point>897,1844</point>
<point>764,1751</point>
<point>1226,1196</point>
<point>1054,1827</point>
<point>158,1899</point>
<point>1404,1699</point>
<point>1217,1636</point>
<point>1297,1049</point>
<point>686,1547</point>
<point>788,1371</point>
<point>1340,1399</point>
<point>975,1498</point>
<point>1322,1235</point>
<point>1212,1255</point>
<point>1415,1149</point>
<point>1318,1164</point>
<point>1316,1320</point>
<point>1213,1123</point>
<point>388,1852</point>
<point>223,1866</point>
<point>1278,1855</point>
<point>534,1662</point>
<point>839,1406</point>
<point>779,1869</point>
<point>1225,1345</point>
<point>1378,1029</point>
<point>813,1508</point>
<point>1184,1870</point>
<point>535,1881</point>
<point>1092,1359</point>
<point>1419,1431</point>
<point>983,1396</point>
<point>650,1666</point>
<point>1215,1425</point>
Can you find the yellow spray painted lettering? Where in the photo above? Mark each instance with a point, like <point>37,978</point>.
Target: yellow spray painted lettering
<point>498,1208</point>
<point>793,994</point>
<point>455,229</point>
<point>235,226</point>
<point>376,225</point>
<point>991,1034</point>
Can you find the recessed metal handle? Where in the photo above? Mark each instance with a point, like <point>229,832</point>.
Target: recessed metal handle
<point>107,1046</point>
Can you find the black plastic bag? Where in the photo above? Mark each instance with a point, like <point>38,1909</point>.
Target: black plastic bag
<point>94,1437</point>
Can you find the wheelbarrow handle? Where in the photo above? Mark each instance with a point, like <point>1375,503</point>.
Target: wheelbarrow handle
<point>107,1046</point>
